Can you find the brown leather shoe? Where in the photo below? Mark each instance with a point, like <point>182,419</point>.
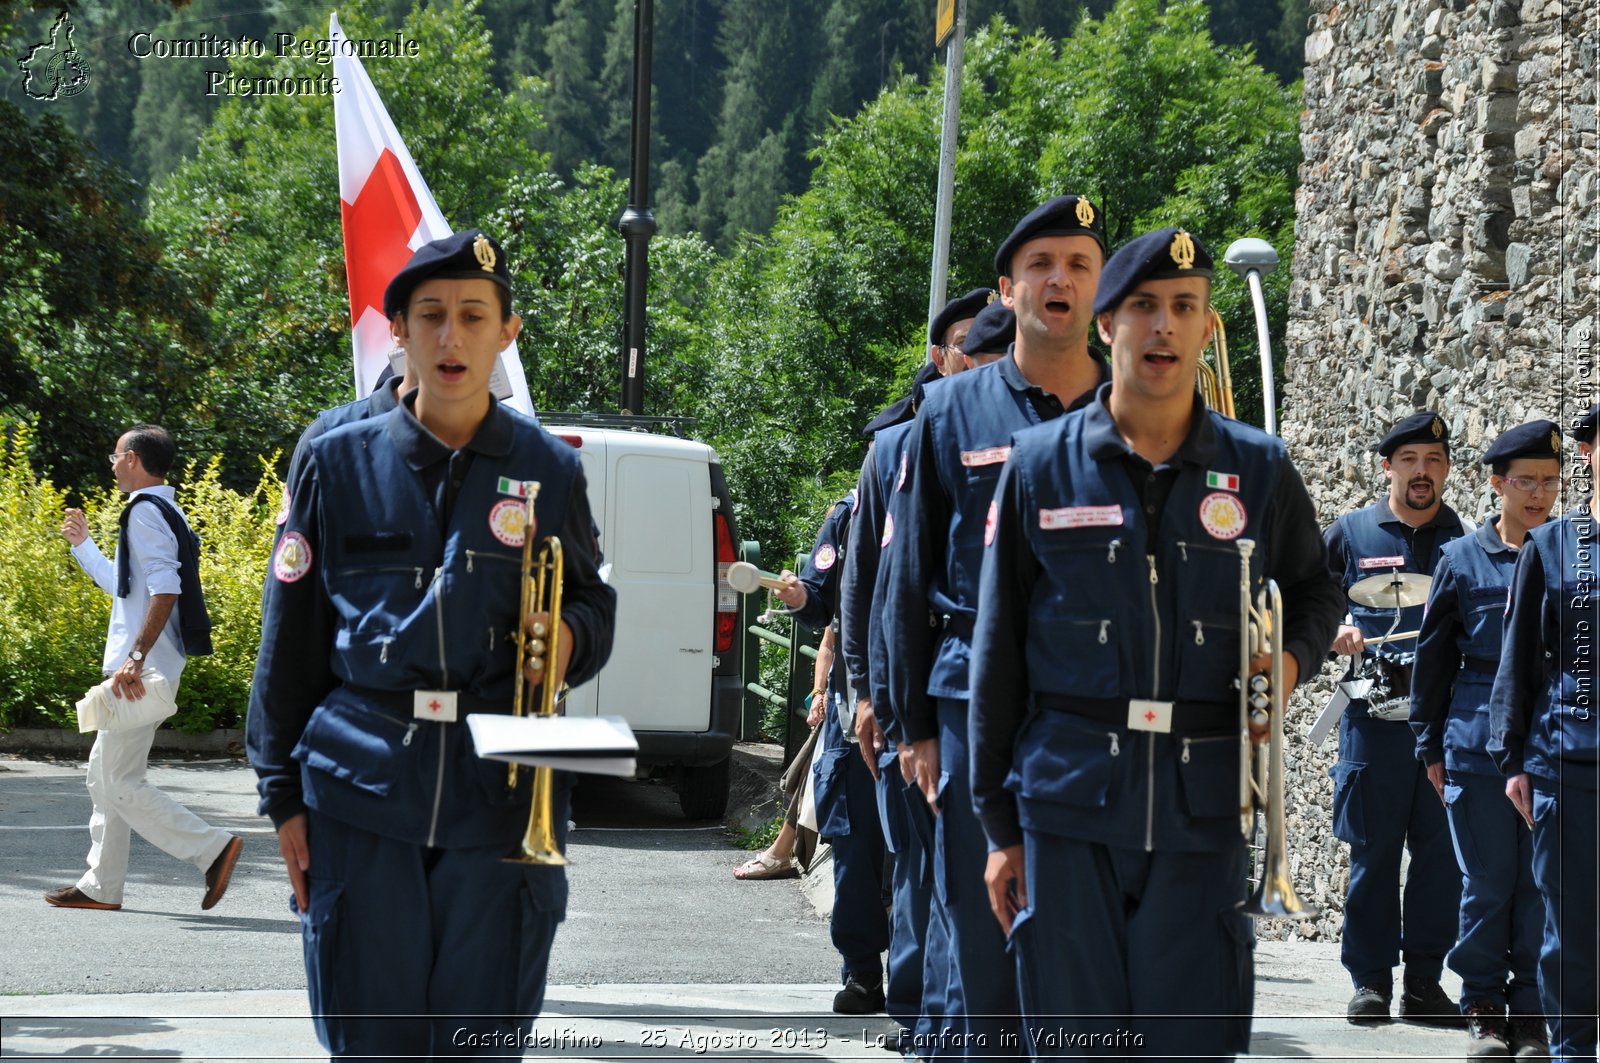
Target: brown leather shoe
<point>73,897</point>
<point>220,871</point>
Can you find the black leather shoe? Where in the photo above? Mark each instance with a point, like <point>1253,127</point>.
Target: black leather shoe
<point>1486,1032</point>
<point>858,999</point>
<point>1527,1037</point>
<point>1369,1007</point>
<point>1427,1004</point>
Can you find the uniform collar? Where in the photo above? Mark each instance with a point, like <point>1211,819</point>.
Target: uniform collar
<point>1445,518</point>
<point>1488,535</point>
<point>421,448</point>
<point>1105,440</point>
<point>384,398</point>
<point>1007,368</point>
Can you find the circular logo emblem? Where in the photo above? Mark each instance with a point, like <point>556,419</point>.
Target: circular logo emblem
<point>905,467</point>
<point>888,530</point>
<point>283,510</point>
<point>825,558</point>
<point>293,559</point>
<point>1222,515</point>
<point>508,521</point>
<point>989,523</point>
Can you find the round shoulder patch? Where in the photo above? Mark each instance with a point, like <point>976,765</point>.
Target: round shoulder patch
<point>905,468</point>
<point>508,521</point>
<point>888,530</point>
<point>990,521</point>
<point>283,510</point>
<point>293,559</point>
<point>1222,515</point>
<point>825,558</point>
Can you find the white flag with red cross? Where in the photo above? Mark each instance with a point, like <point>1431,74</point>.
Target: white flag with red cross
<point>388,213</point>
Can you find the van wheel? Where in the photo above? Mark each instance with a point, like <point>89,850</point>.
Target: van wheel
<point>703,790</point>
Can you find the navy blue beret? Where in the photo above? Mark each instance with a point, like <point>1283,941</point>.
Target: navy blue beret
<point>1061,216</point>
<point>903,409</point>
<point>993,332</point>
<point>1536,439</point>
<point>959,310</point>
<point>1161,255</point>
<point>459,256</point>
<point>1423,426</point>
<point>1583,431</point>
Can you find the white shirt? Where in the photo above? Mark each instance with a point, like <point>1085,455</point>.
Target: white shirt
<point>152,569</point>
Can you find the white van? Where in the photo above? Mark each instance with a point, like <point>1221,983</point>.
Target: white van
<point>667,536</point>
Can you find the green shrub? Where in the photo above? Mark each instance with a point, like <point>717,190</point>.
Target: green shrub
<point>53,618</point>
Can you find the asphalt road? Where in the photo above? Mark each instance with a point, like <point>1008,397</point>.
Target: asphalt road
<point>653,897</point>
<point>663,955</point>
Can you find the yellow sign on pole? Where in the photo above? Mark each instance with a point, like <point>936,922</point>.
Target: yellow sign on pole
<point>945,24</point>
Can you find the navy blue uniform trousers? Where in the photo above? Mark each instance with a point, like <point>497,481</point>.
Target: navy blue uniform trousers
<point>982,994</point>
<point>1502,917</point>
<point>1111,958</point>
<point>1383,804</point>
<point>1566,823</point>
<point>391,903</point>
<point>860,926</point>
<point>918,947</point>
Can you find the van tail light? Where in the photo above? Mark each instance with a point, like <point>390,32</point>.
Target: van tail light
<point>727,597</point>
<point>573,441</point>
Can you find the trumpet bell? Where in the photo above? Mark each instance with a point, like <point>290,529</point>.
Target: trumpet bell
<point>1275,898</point>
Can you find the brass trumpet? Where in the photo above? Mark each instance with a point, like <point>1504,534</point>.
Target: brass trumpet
<point>540,593</point>
<point>1261,773</point>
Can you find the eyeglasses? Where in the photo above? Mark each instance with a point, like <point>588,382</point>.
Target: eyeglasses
<point>950,348</point>
<point>1551,484</point>
<point>114,458</point>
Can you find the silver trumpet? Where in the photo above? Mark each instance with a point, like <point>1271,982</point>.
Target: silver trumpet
<point>1262,699</point>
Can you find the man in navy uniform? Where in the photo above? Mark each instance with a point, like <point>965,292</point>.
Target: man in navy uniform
<point>1501,919</point>
<point>1048,269</point>
<point>1383,802</point>
<point>390,615</point>
<point>1544,737</point>
<point>1105,719</point>
<point>847,802</point>
<point>918,962</point>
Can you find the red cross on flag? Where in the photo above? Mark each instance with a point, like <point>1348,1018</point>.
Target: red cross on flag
<point>388,213</point>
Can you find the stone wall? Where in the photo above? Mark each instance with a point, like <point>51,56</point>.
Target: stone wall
<point>1445,257</point>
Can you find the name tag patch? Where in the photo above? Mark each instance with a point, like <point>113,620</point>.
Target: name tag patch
<point>1149,715</point>
<point>1222,515</point>
<point>508,520</point>
<point>1382,562</point>
<point>1080,517</point>
<point>990,456</point>
<point>436,705</point>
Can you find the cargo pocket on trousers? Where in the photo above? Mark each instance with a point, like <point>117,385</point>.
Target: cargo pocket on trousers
<point>1238,931</point>
<point>544,897</point>
<point>1349,818</point>
<point>319,933</point>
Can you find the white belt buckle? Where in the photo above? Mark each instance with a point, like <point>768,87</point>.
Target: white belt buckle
<point>436,705</point>
<point>1150,716</point>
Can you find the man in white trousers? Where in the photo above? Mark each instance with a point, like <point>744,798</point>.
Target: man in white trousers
<point>145,586</point>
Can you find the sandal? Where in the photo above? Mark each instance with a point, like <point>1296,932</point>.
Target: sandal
<point>762,866</point>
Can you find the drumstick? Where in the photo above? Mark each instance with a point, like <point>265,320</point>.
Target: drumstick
<point>1396,637</point>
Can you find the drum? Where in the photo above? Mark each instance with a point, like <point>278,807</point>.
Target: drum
<point>1389,697</point>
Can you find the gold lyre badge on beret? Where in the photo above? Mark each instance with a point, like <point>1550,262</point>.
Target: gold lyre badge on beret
<point>993,295</point>
<point>484,251</point>
<point>1555,441</point>
<point>1085,212</point>
<point>1438,428</point>
<point>1182,250</point>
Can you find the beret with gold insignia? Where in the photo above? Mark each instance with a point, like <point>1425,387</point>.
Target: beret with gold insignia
<point>959,309</point>
<point>1161,255</point>
<point>460,256</point>
<point>1061,216</point>
<point>1536,439</point>
<point>993,332</point>
<point>1424,426</point>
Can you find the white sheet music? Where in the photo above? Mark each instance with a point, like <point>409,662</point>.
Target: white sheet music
<point>595,745</point>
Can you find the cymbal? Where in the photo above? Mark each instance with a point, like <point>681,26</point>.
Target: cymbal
<point>1391,590</point>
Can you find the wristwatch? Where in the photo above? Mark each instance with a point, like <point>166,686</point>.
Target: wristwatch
<point>135,655</point>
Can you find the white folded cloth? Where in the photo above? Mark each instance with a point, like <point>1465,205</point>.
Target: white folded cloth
<point>101,710</point>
